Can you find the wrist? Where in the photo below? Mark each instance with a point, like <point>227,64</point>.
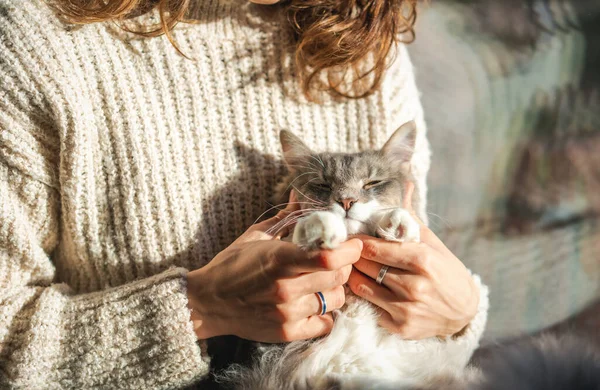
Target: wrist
<point>472,307</point>
<point>199,303</point>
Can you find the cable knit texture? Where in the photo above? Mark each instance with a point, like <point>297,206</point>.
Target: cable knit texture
<point>121,160</point>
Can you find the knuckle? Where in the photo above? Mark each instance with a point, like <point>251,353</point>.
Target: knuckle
<point>323,260</point>
<point>403,330</point>
<point>393,278</point>
<point>338,297</point>
<point>282,292</point>
<point>402,311</point>
<point>362,290</point>
<point>369,250</point>
<point>287,333</point>
<point>282,314</point>
<point>254,227</point>
<point>423,260</point>
<point>272,260</point>
<point>340,277</point>
<point>417,289</point>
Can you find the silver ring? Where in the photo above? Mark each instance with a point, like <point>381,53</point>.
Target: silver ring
<point>323,302</point>
<point>381,275</point>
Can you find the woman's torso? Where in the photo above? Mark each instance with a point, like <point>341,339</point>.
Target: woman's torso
<point>162,160</point>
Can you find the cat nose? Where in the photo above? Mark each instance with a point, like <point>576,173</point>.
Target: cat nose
<point>346,203</point>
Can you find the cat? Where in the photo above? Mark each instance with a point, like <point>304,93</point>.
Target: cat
<point>349,194</point>
<point>342,194</point>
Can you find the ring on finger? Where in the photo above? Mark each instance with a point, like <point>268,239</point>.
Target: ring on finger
<point>381,275</point>
<point>321,297</point>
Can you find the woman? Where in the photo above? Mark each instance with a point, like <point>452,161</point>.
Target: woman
<point>126,167</point>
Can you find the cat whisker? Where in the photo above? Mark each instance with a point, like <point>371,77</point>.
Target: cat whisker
<point>295,215</point>
<point>314,178</point>
<point>287,223</point>
<point>311,167</point>
<point>278,208</point>
<point>319,160</point>
<point>297,177</point>
<point>441,219</point>
<point>308,197</point>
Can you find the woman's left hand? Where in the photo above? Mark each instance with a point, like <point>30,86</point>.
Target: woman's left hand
<point>426,292</point>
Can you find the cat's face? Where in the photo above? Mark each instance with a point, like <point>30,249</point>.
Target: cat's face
<point>354,186</point>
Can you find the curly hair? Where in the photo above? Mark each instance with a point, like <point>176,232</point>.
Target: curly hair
<point>342,47</point>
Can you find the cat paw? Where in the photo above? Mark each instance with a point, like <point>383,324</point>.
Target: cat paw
<point>399,225</point>
<point>321,229</point>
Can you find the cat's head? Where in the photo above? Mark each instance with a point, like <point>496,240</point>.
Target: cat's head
<point>353,185</point>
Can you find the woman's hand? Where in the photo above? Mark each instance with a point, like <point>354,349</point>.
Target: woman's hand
<point>426,292</point>
<point>261,288</point>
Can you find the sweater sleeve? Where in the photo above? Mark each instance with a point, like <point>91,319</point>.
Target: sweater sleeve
<point>138,335</point>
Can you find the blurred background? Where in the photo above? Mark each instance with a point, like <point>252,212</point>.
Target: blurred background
<point>511,91</point>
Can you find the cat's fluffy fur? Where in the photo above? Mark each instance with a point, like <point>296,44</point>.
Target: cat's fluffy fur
<point>357,354</point>
<point>544,362</point>
<point>357,350</point>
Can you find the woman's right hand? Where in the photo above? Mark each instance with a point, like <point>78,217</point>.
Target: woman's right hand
<point>263,289</point>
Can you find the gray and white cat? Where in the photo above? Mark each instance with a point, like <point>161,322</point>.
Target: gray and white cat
<point>343,194</point>
<point>350,193</point>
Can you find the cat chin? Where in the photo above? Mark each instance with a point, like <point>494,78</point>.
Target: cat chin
<point>356,227</point>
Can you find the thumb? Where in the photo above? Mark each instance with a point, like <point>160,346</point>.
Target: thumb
<point>407,201</point>
<point>427,235</point>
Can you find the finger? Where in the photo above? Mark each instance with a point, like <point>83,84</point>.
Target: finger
<point>308,305</point>
<point>407,201</point>
<point>334,299</point>
<point>366,288</point>
<point>311,327</point>
<point>427,235</point>
<point>405,285</point>
<point>310,283</point>
<point>372,268</point>
<point>347,253</point>
<point>397,326</point>
<point>406,256</point>
<point>391,278</point>
<point>407,327</point>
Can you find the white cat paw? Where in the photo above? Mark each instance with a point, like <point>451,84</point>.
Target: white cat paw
<point>399,225</point>
<point>321,229</point>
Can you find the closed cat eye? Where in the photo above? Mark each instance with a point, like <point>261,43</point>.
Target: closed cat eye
<point>322,186</point>
<point>372,184</point>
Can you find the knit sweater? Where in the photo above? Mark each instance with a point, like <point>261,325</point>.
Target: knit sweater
<point>123,165</point>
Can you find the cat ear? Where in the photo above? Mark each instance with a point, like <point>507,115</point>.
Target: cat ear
<point>401,145</point>
<point>293,147</point>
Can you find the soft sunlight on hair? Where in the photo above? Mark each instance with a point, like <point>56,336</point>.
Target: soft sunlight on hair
<point>343,47</point>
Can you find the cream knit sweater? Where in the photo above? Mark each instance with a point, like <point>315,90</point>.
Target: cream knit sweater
<point>123,164</point>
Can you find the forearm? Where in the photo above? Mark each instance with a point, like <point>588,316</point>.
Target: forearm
<point>139,334</point>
